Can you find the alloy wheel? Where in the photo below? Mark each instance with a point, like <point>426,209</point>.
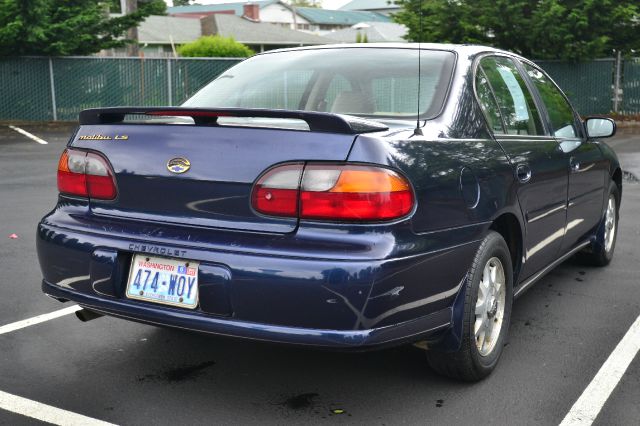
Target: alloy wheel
<point>610,224</point>
<point>489,311</point>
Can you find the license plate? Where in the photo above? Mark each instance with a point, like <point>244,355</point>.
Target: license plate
<point>162,280</point>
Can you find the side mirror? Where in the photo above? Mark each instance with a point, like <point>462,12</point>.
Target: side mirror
<point>599,127</point>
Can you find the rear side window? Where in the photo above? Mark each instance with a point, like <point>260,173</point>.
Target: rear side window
<point>488,103</point>
<point>515,102</point>
<point>563,123</point>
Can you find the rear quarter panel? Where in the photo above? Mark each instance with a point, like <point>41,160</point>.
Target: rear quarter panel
<point>462,180</point>
<point>455,152</point>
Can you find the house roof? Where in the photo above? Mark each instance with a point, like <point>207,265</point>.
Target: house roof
<point>316,15</point>
<point>203,8</point>
<point>164,29</point>
<point>370,5</point>
<point>249,32</point>
<point>375,31</point>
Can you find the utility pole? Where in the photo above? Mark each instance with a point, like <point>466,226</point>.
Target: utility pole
<point>294,14</point>
<point>617,89</point>
<point>132,33</point>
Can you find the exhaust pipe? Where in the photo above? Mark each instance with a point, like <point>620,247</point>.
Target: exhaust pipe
<point>85,315</point>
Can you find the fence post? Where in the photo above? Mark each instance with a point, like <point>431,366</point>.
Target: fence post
<point>617,90</point>
<point>53,91</point>
<point>169,83</point>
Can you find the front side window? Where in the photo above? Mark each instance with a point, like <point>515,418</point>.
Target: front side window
<point>517,107</point>
<point>370,82</point>
<point>563,123</point>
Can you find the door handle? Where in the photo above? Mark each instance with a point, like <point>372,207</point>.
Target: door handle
<point>523,173</point>
<point>574,165</point>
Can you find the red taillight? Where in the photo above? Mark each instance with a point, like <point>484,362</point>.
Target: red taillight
<point>365,193</point>
<point>179,113</point>
<point>71,177</point>
<point>100,182</point>
<point>333,192</point>
<point>276,192</point>
<point>85,174</point>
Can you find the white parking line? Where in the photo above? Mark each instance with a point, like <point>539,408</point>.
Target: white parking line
<point>38,319</point>
<point>45,413</point>
<point>34,409</point>
<point>29,135</point>
<point>587,407</point>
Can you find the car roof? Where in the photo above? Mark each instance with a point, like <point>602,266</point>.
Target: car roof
<point>464,49</point>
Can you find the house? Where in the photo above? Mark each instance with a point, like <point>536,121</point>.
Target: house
<point>277,12</point>
<point>200,10</point>
<point>259,36</point>
<point>159,36</point>
<point>325,20</point>
<point>376,32</point>
<point>385,7</point>
<point>272,11</point>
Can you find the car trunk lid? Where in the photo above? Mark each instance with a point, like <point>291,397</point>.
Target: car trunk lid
<point>224,163</point>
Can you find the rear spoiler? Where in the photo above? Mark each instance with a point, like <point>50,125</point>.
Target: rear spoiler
<point>317,121</point>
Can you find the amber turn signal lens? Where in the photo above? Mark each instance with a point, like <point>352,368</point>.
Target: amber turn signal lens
<point>368,180</point>
<point>333,192</point>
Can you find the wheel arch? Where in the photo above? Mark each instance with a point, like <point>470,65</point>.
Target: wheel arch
<point>616,177</point>
<point>508,226</point>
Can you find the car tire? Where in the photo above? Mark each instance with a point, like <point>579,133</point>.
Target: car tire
<point>486,316</point>
<point>601,250</point>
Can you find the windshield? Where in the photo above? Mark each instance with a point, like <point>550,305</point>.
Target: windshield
<point>369,82</point>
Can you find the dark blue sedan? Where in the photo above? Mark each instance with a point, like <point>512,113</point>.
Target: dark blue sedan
<point>336,197</point>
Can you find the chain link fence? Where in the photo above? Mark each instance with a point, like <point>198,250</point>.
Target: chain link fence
<point>589,85</point>
<point>45,89</point>
<point>631,86</point>
<point>59,88</point>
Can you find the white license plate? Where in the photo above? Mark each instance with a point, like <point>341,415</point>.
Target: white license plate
<point>162,280</point>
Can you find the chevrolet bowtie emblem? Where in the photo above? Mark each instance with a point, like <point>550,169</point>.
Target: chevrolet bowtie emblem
<point>178,165</point>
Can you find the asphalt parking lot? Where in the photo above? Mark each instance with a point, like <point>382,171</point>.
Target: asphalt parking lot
<point>562,331</point>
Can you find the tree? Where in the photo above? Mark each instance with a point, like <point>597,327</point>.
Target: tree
<point>215,46</point>
<point>152,7</point>
<point>305,3</point>
<point>181,2</point>
<point>65,27</point>
<point>539,29</point>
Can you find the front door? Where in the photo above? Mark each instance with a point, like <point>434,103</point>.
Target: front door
<point>539,164</point>
<point>587,168</point>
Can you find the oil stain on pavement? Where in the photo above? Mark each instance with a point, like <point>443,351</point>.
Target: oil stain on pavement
<point>301,401</point>
<point>179,374</point>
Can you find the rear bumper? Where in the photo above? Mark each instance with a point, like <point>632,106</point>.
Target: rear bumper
<point>328,300</point>
<point>421,328</point>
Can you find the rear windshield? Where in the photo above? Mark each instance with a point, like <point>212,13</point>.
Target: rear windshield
<point>369,82</point>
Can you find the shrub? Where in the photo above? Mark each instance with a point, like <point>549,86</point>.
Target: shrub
<point>362,37</point>
<point>215,46</point>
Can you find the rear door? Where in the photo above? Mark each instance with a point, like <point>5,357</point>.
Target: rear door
<point>587,168</point>
<point>539,163</point>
